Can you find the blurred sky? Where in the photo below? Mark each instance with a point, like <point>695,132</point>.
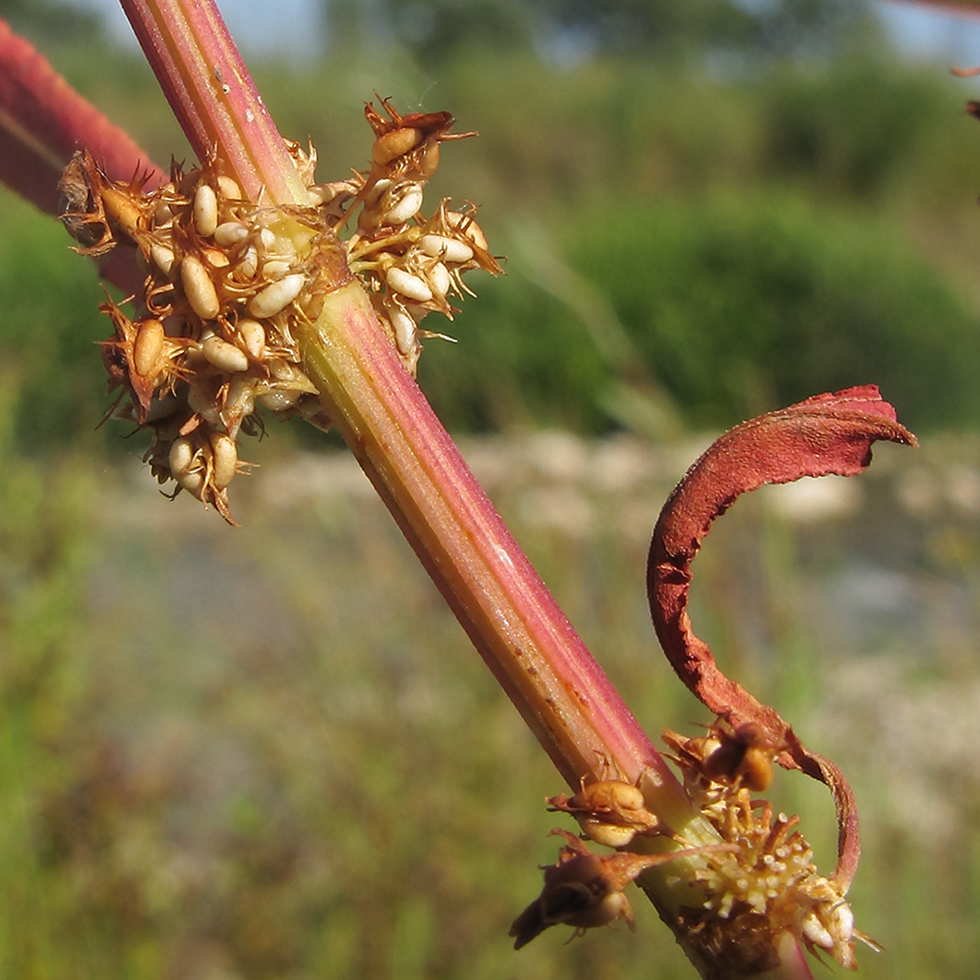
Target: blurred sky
<point>267,27</point>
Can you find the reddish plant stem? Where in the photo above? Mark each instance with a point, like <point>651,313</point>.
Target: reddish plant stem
<point>213,96</point>
<point>506,609</point>
<point>43,121</point>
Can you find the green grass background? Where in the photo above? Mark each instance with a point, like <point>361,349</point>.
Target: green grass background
<point>270,752</point>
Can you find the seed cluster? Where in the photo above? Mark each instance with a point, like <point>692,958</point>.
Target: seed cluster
<point>212,335</point>
<point>769,884</point>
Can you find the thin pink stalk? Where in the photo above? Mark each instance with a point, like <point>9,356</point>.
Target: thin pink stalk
<point>43,121</point>
<point>213,96</point>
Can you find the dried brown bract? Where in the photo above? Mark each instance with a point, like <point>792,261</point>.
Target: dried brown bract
<point>609,812</point>
<point>585,890</point>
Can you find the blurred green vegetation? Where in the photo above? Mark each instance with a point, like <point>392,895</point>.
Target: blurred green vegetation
<point>270,753</point>
<point>685,246</point>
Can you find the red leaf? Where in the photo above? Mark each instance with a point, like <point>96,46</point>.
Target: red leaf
<point>826,434</point>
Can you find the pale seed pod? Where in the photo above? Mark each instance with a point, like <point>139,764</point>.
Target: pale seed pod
<point>278,400</point>
<point>445,248</point>
<point>401,202</point>
<point>199,288</point>
<point>185,467</point>
<point>404,329</point>
<point>230,233</point>
<point>205,210</point>
<point>395,143</point>
<point>223,355</point>
<point>267,237</point>
<point>201,401</point>
<point>216,258</point>
<point>148,348</point>
<point>408,285</point>
<point>163,216</point>
<point>379,187</point>
<point>163,257</point>
<point>224,460</point>
<point>276,296</point>
<point>229,189</point>
<point>252,334</point>
<point>465,225</point>
<point>275,268</point>
<point>121,206</point>
<point>239,402</point>
<point>248,266</point>
<point>429,163</point>
<point>440,280</point>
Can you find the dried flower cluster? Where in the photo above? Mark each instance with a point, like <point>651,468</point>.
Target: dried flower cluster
<point>227,279</point>
<point>759,883</point>
<point>768,884</point>
<point>585,890</point>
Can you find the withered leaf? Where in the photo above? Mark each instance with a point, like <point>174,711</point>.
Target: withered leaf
<point>826,434</point>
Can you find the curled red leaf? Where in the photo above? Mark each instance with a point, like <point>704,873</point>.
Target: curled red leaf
<point>826,434</point>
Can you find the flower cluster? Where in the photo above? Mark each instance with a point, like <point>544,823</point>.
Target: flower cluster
<point>211,338</point>
<point>768,884</point>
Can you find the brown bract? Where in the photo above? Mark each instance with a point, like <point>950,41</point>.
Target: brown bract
<point>826,434</point>
<point>585,890</point>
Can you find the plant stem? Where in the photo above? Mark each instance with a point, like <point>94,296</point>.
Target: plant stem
<point>213,96</point>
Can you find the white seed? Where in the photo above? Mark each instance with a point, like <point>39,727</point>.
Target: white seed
<point>239,402</point>
<point>465,225</point>
<point>148,348</point>
<point>279,400</point>
<point>401,203</point>
<point>404,329</point>
<point>276,296</point>
<point>163,216</point>
<point>268,238</point>
<point>224,460</point>
<point>445,248</point>
<point>184,467</point>
<point>816,933</point>
<point>230,233</point>
<point>275,268</point>
<point>408,285</point>
<point>198,288</point>
<point>229,189</point>
<point>377,190</point>
<point>439,279</point>
<point>290,375</point>
<point>224,355</point>
<point>253,337</point>
<point>163,257</point>
<point>201,400</point>
<point>248,266</point>
<point>205,210</point>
